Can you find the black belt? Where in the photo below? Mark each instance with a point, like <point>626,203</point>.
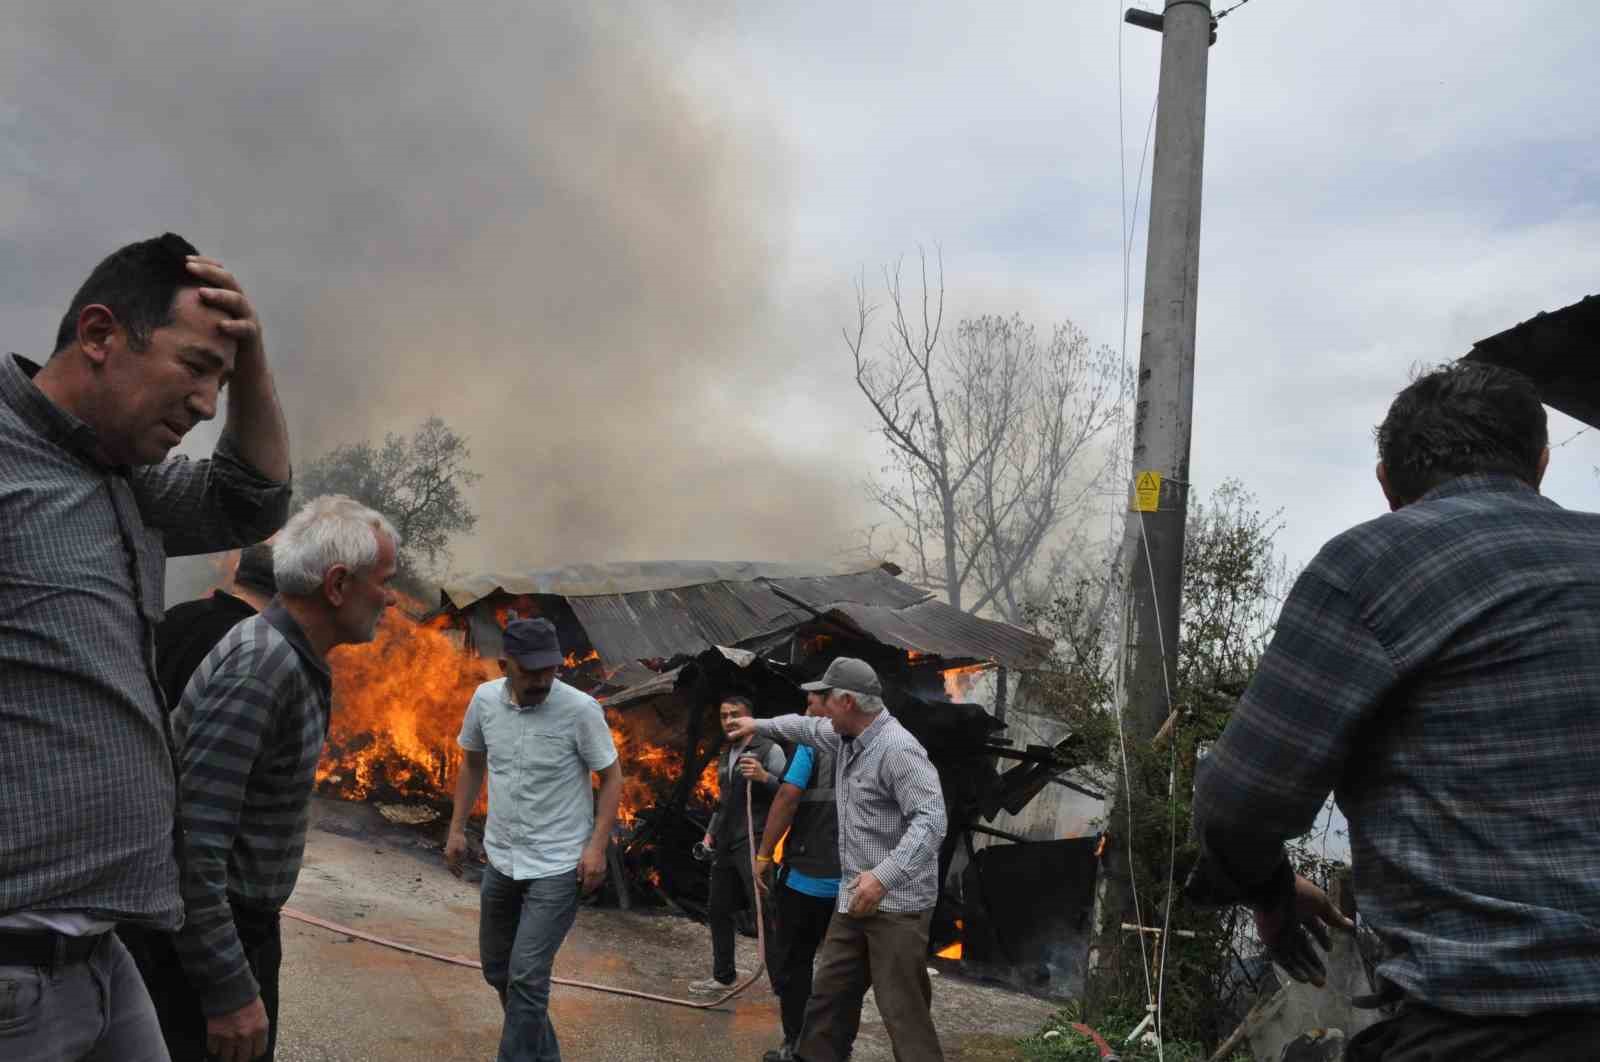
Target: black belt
<point>41,947</point>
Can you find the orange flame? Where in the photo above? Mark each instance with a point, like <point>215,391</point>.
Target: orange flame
<point>398,706</point>
<point>398,703</point>
<point>954,950</point>
<point>958,681</point>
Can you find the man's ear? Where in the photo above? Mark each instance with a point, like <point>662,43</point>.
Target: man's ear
<point>335,584</point>
<point>503,669</point>
<point>1388,492</point>
<point>97,329</point>
<point>1544,466</point>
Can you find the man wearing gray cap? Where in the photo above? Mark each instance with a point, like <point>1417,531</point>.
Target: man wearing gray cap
<point>538,739</point>
<point>891,823</point>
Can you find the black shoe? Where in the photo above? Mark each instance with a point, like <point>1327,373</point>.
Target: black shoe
<point>780,1054</point>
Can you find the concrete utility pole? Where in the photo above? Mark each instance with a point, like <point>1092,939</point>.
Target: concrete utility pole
<point>1159,500</point>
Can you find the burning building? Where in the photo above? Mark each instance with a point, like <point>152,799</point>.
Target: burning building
<point>660,644</point>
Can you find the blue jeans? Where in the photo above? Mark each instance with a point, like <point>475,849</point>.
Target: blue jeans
<point>96,1010</point>
<point>521,925</point>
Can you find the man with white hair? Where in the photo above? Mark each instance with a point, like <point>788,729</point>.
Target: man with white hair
<point>249,732</point>
<point>891,823</point>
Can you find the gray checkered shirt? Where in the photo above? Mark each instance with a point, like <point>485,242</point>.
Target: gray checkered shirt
<point>1438,668</point>
<point>891,809</point>
<point>87,786</point>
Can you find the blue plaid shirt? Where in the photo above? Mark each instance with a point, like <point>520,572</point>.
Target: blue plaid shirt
<point>1438,669</point>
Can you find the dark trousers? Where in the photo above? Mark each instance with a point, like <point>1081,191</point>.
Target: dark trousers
<point>177,1004</point>
<point>730,874</point>
<point>1422,1034</point>
<point>802,922</point>
<point>521,925</point>
<point>889,950</point>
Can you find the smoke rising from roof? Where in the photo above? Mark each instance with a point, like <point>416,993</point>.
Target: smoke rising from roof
<point>527,219</point>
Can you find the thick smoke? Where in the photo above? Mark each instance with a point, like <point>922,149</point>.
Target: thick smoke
<point>524,218</point>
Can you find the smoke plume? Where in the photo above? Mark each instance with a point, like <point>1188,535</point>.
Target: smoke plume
<point>531,220</point>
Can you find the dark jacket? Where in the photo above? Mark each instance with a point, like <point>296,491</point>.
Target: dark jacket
<point>728,828</point>
<point>812,847</point>
<point>188,633</point>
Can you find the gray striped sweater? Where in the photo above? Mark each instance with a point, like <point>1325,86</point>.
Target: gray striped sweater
<point>249,731</point>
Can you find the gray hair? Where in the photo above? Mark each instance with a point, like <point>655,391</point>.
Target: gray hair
<point>327,531</point>
<point>866,702</point>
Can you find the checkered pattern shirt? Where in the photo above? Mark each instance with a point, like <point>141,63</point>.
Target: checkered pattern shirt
<point>1438,669</point>
<point>87,787</point>
<point>249,731</point>
<point>891,809</point>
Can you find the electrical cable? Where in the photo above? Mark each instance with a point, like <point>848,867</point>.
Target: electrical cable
<point>1126,238</point>
<point>458,960</point>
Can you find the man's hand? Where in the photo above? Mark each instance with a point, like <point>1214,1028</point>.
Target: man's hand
<point>591,868</point>
<point>455,850</point>
<point>766,872</point>
<point>225,294</point>
<point>741,729</point>
<point>239,1036</point>
<point>751,768</point>
<point>1288,930</point>
<point>866,893</point>
<point>709,841</point>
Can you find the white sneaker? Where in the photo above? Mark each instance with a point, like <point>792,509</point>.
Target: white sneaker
<point>711,986</point>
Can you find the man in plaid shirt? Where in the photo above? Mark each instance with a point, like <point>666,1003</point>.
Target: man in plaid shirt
<point>891,823</point>
<point>91,506</point>
<point>1438,669</point>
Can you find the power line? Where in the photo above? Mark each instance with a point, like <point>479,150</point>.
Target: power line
<point>1225,13</point>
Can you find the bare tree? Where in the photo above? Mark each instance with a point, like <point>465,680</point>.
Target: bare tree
<point>416,481</point>
<point>994,438</point>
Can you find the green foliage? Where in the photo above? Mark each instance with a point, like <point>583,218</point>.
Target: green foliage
<point>1058,1041</point>
<point>416,481</point>
<point>1233,586</point>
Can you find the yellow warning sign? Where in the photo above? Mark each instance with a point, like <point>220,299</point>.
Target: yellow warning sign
<point>1147,492</point>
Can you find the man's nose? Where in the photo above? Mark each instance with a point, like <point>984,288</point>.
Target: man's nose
<point>203,402</point>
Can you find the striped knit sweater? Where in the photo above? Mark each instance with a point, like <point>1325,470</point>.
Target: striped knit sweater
<point>249,731</point>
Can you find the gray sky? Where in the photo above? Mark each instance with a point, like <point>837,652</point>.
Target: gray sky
<point>615,248</point>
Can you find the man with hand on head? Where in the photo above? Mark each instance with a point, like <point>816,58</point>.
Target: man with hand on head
<point>250,730</point>
<point>538,740</point>
<point>752,765</point>
<point>91,506</point>
<point>891,823</point>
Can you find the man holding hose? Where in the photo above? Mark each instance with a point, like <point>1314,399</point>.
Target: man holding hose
<point>754,766</point>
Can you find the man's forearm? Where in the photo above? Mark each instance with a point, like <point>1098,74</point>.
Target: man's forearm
<point>605,808</point>
<point>779,818</point>
<point>255,419</point>
<point>803,728</point>
<point>469,782</point>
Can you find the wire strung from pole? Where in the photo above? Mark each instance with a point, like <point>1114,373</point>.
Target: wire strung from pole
<point>1569,438</point>
<point>1228,11</point>
<point>1125,238</point>
<point>1172,798</point>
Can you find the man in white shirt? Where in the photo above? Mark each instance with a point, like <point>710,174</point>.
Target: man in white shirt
<point>538,740</point>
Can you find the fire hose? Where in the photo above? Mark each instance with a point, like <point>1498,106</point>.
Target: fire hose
<point>459,960</point>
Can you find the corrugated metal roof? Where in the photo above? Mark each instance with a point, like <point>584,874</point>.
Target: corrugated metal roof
<point>591,580</point>
<point>653,622</point>
<point>938,629</point>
